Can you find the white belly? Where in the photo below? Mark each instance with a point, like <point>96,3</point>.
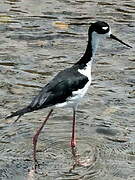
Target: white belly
<point>76,97</point>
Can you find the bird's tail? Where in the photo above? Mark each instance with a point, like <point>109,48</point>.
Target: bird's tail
<point>19,113</point>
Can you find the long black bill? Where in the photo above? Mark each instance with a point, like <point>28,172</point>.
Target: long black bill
<point>114,37</point>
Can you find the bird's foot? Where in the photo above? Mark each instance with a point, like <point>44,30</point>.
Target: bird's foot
<point>76,157</point>
<point>36,165</point>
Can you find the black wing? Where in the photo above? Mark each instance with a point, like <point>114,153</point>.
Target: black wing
<point>56,91</point>
<point>59,89</point>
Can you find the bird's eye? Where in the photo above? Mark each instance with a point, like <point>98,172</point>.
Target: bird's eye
<point>105,28</point>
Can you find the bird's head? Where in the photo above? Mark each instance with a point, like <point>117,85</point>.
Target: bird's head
<point>101,29</point>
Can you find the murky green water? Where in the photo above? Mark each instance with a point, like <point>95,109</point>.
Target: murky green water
<point>39,38</point>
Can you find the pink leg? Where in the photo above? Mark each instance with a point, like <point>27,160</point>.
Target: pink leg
<point>35,138</point>
<point>73,140</point>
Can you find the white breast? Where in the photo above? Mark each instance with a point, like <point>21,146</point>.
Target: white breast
<point>87,71</point>
<point>81,92</point>
<point>78,95</point>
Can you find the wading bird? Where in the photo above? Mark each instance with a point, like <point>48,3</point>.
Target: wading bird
<point>69,86</point>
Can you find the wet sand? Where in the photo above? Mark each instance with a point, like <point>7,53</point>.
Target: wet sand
<point>37,40</point>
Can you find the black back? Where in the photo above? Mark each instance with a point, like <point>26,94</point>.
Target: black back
<point>59,88</point>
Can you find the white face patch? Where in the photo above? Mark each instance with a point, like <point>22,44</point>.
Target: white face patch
<point>105,27</point>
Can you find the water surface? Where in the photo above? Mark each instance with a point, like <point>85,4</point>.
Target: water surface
<point>37,40</point>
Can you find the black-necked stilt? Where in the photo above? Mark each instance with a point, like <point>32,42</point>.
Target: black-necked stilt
<point>68,87</point>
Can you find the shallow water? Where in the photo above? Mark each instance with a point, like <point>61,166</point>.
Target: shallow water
<point>40,38</point>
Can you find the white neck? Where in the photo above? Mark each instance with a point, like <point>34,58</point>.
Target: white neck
<point>94,42</point>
